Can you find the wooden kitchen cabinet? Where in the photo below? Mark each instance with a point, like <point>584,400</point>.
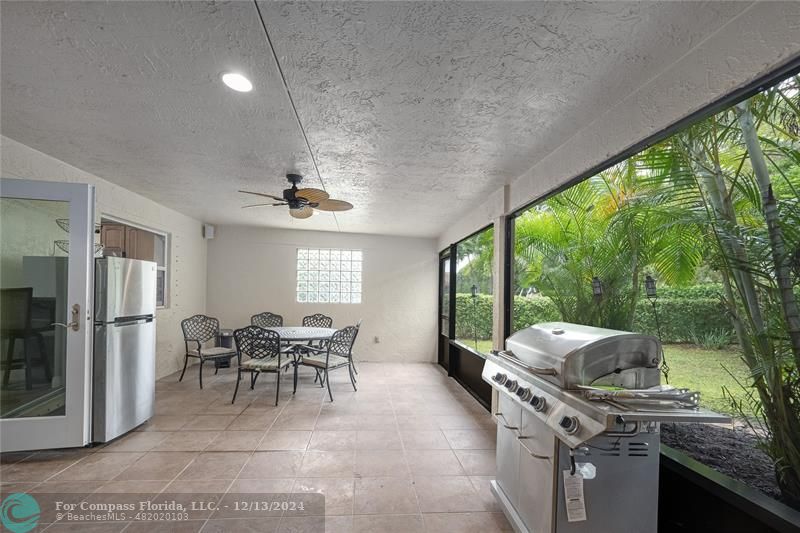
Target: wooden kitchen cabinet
<point>125,241</point>
<point>146,246</point>
<point>113,238</point>
<point>139,244</point>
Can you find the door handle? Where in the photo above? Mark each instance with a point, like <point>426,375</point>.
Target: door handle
<point>505,422</point>
<point>75,325</point>
<point>520,438</point>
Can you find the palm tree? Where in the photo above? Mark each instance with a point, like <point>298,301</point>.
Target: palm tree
<point>726,176</point>
<point>724,192</point>
<point>599,228</point>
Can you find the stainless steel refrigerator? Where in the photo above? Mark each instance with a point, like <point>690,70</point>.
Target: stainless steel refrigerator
<point>124,373</point>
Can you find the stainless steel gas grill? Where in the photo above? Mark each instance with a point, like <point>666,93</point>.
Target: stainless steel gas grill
<point>578,428</point>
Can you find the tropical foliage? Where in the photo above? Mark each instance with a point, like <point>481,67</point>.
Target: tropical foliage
<point>720,199</point>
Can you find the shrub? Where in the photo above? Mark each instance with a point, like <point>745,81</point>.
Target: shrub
<point>527,311</point>
<point>532,310</point>
<point>472,314</point>
<point>684,319</point>
<point>699,320</point>
<point>705,290</point>
<point>711,339</point>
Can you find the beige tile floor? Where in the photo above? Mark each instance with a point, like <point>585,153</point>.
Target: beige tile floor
<point>411,451</point>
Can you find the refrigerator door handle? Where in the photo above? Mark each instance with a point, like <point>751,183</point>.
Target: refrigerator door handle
<point>75,325</point>
<point>132,321</point>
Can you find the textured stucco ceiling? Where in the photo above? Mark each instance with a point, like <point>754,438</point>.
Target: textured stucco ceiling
<point>415,110</point>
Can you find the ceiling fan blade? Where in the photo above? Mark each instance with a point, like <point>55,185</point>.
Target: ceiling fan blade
<point>265,195</point>
<point>262,205</point>
<point>312,195</point>
<point>334,205</point>
<point>303,212</point>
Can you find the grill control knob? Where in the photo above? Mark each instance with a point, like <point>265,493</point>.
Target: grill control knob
<point>524,394</point>
<point>512,385</point>
<point>539,403</point>
<point>570,424</point>
<point>500,378</point>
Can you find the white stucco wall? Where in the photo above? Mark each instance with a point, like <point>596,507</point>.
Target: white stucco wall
<point>751,45</point>
<point>187,282</point>
<point>251,270</point>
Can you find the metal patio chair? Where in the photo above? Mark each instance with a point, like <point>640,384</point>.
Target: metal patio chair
<point>263,347</point>
<point>337,354</point>
<point>200,329</point>
<point>317,320</point>
<point>266,320</point>
<point>352,357</point>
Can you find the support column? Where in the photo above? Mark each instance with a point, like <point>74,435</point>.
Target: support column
<point>499,273</point>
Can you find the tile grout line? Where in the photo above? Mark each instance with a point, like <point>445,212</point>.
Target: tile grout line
<point>408,466</point>
<point>250,456</point>
<point>177,475</point>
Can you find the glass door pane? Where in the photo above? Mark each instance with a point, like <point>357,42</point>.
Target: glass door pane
<point>34,246</point>
<point>474,309</point>
<point>444,296</point>
<point>46,273</point>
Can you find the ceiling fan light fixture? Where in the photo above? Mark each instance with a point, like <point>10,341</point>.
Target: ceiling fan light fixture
<point>237,82</point>
<point>301,212</point>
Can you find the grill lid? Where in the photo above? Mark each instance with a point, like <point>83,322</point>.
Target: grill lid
<point>574,355</point>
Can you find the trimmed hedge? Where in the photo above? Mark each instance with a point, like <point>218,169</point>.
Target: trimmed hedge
<point>467,309</point>
<point>531,310</point>
<point>705,290</point>
<point>683,319</point>
<point>527,311</point>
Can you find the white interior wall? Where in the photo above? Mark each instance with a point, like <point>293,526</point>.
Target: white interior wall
<point>187,281</point>
<point>251,270</point>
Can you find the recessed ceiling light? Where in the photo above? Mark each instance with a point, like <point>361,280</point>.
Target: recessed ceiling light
<point>237,82</point>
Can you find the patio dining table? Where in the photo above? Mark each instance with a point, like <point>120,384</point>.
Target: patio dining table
<point>301,334</point>
<point>298,337</point>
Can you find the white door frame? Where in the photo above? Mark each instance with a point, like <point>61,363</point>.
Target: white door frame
<point>74,428</point>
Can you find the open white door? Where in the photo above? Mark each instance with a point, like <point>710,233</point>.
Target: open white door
<point>46,297</point>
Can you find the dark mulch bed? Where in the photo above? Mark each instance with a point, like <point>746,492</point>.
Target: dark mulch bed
<point>733,452</point>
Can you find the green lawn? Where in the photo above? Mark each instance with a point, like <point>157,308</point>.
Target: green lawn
<point>693,368</point>
<point>483,345</point>
<point>704,370</point>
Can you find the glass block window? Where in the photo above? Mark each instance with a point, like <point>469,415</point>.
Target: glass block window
<point>329,276</point>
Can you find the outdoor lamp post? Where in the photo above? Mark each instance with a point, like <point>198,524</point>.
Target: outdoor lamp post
<point>650,288</point>
<point>597,288</point>
<point>597,292</point>
<point>474,291</point>
<point>652,296</point>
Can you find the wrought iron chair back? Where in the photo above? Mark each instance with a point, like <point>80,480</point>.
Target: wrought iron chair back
<point>257,342</point>
<point>341,342</point>
<point>317,320</point>
<point>340,346</point>
<point>200,329</point>
<point>267,320</point>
